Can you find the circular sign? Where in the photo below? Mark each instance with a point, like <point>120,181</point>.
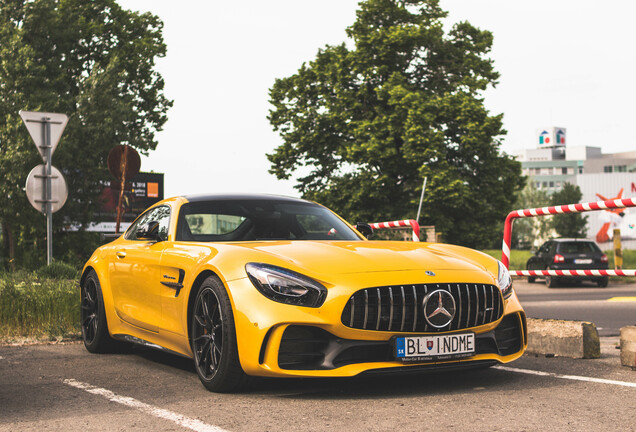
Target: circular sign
<point>123,161</point>
<point>36,184</point>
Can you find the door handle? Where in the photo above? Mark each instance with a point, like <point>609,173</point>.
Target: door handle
<point>120,254</point>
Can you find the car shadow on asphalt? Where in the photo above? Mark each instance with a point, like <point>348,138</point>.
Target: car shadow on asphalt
<point>160,357</point>
<point>395,386</point>
<point>360,387</point>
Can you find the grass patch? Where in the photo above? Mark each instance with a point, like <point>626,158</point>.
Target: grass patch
<point>33,306</point>
<point>518,258</point>
<point>629,259</point>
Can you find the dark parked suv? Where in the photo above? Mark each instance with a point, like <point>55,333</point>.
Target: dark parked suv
<point>569,254</point>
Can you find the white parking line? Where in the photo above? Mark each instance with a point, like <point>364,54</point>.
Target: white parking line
<point>569,377</point>
<point>194,424</point>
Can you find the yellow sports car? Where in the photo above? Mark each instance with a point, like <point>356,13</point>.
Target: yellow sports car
<point>271,286</point>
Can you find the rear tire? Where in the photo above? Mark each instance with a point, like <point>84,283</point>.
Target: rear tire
<point>93,317</point>
<point>550,281</point>
<point>602,282</point>
<point>214,345</point>
<point>531,279</point>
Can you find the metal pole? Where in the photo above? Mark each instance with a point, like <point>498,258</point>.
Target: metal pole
<point>419,209</point>
<point>123,166</point>
<point>49,194</point>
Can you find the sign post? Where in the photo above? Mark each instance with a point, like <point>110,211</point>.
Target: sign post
<point>123,163</point>
<point>618,250</point>
<point>46,130</point>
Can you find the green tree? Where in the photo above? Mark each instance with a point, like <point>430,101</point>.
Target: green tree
<point>94,62</point>
<point>527,231</point>
<point>569,224</point>
<point>366,121</point>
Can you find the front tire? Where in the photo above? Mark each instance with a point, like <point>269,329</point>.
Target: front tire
<point>602,282</point>
<point>93,316</point>
<point>214,344</point>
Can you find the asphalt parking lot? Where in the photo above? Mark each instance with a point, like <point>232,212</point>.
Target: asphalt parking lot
<point>63,387</point>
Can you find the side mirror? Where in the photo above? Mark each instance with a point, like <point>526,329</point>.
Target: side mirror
<point>150,231</point>
<point>364,229</point>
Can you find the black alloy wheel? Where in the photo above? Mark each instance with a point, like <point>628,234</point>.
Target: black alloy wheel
<point>93,316</point>
<point>90,310</point>
<point>214,339</point>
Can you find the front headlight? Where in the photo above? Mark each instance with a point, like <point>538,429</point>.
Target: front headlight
<point>504,280</point>
<point>286,286</point>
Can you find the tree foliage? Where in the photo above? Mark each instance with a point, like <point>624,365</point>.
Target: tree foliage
<point>531,231</point>
<point>569,224</point>
<point>93,61</point>
<point>364,122</point>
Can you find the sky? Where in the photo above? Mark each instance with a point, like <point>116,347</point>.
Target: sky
<point>567,64</point>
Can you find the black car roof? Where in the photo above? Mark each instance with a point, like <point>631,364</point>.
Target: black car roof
<point>561,240</point>
<point>243,197</point>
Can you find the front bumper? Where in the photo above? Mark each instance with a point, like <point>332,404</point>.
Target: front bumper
<point>311,348</point>
<point>280,340</point>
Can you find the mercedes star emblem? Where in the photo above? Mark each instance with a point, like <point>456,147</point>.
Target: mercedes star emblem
<point>439,308</point>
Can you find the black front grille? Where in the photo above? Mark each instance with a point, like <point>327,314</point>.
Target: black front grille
<point>312,348</point>
<point>400,308</point>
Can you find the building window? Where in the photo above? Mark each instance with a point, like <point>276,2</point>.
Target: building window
<point>564,170</point>
<point>552,184</point>
<point>607,168</point>
<point>538,185</point>
<point>580,170</point>
<point>621,168</point>
<point>545,185</point>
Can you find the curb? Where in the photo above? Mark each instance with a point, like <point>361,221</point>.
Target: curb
<point>574,339</point>
<point>628,346</point>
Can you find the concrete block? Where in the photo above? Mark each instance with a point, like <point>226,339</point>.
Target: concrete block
<point>574,339</point>
<point>628,346</point>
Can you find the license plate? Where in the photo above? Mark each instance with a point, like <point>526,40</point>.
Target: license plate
<point>434,347</point>
<point>583,261</point>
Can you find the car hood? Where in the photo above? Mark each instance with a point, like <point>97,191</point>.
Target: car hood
<point>345,257</point>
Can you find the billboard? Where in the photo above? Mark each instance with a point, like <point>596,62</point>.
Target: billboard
<point>142,191</point>
<point>605,186</point>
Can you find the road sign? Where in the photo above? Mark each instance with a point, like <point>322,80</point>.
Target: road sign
<point>35,188</point>
<point>34,121</point>
<point>46,130</point>
<point>123,162</point>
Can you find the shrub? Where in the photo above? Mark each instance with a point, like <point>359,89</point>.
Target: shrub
<point>58,270</point>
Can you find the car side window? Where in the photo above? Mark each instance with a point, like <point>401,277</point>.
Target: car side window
<point>160,214</point>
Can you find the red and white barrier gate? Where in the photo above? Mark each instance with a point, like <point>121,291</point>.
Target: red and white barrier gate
<point>399,224</point>
<point>568,208</point>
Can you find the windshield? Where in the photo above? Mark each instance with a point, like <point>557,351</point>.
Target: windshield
<point>250,220</point>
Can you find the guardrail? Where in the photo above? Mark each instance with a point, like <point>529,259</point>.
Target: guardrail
<point>400,224</point>
<point>568,208</point>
